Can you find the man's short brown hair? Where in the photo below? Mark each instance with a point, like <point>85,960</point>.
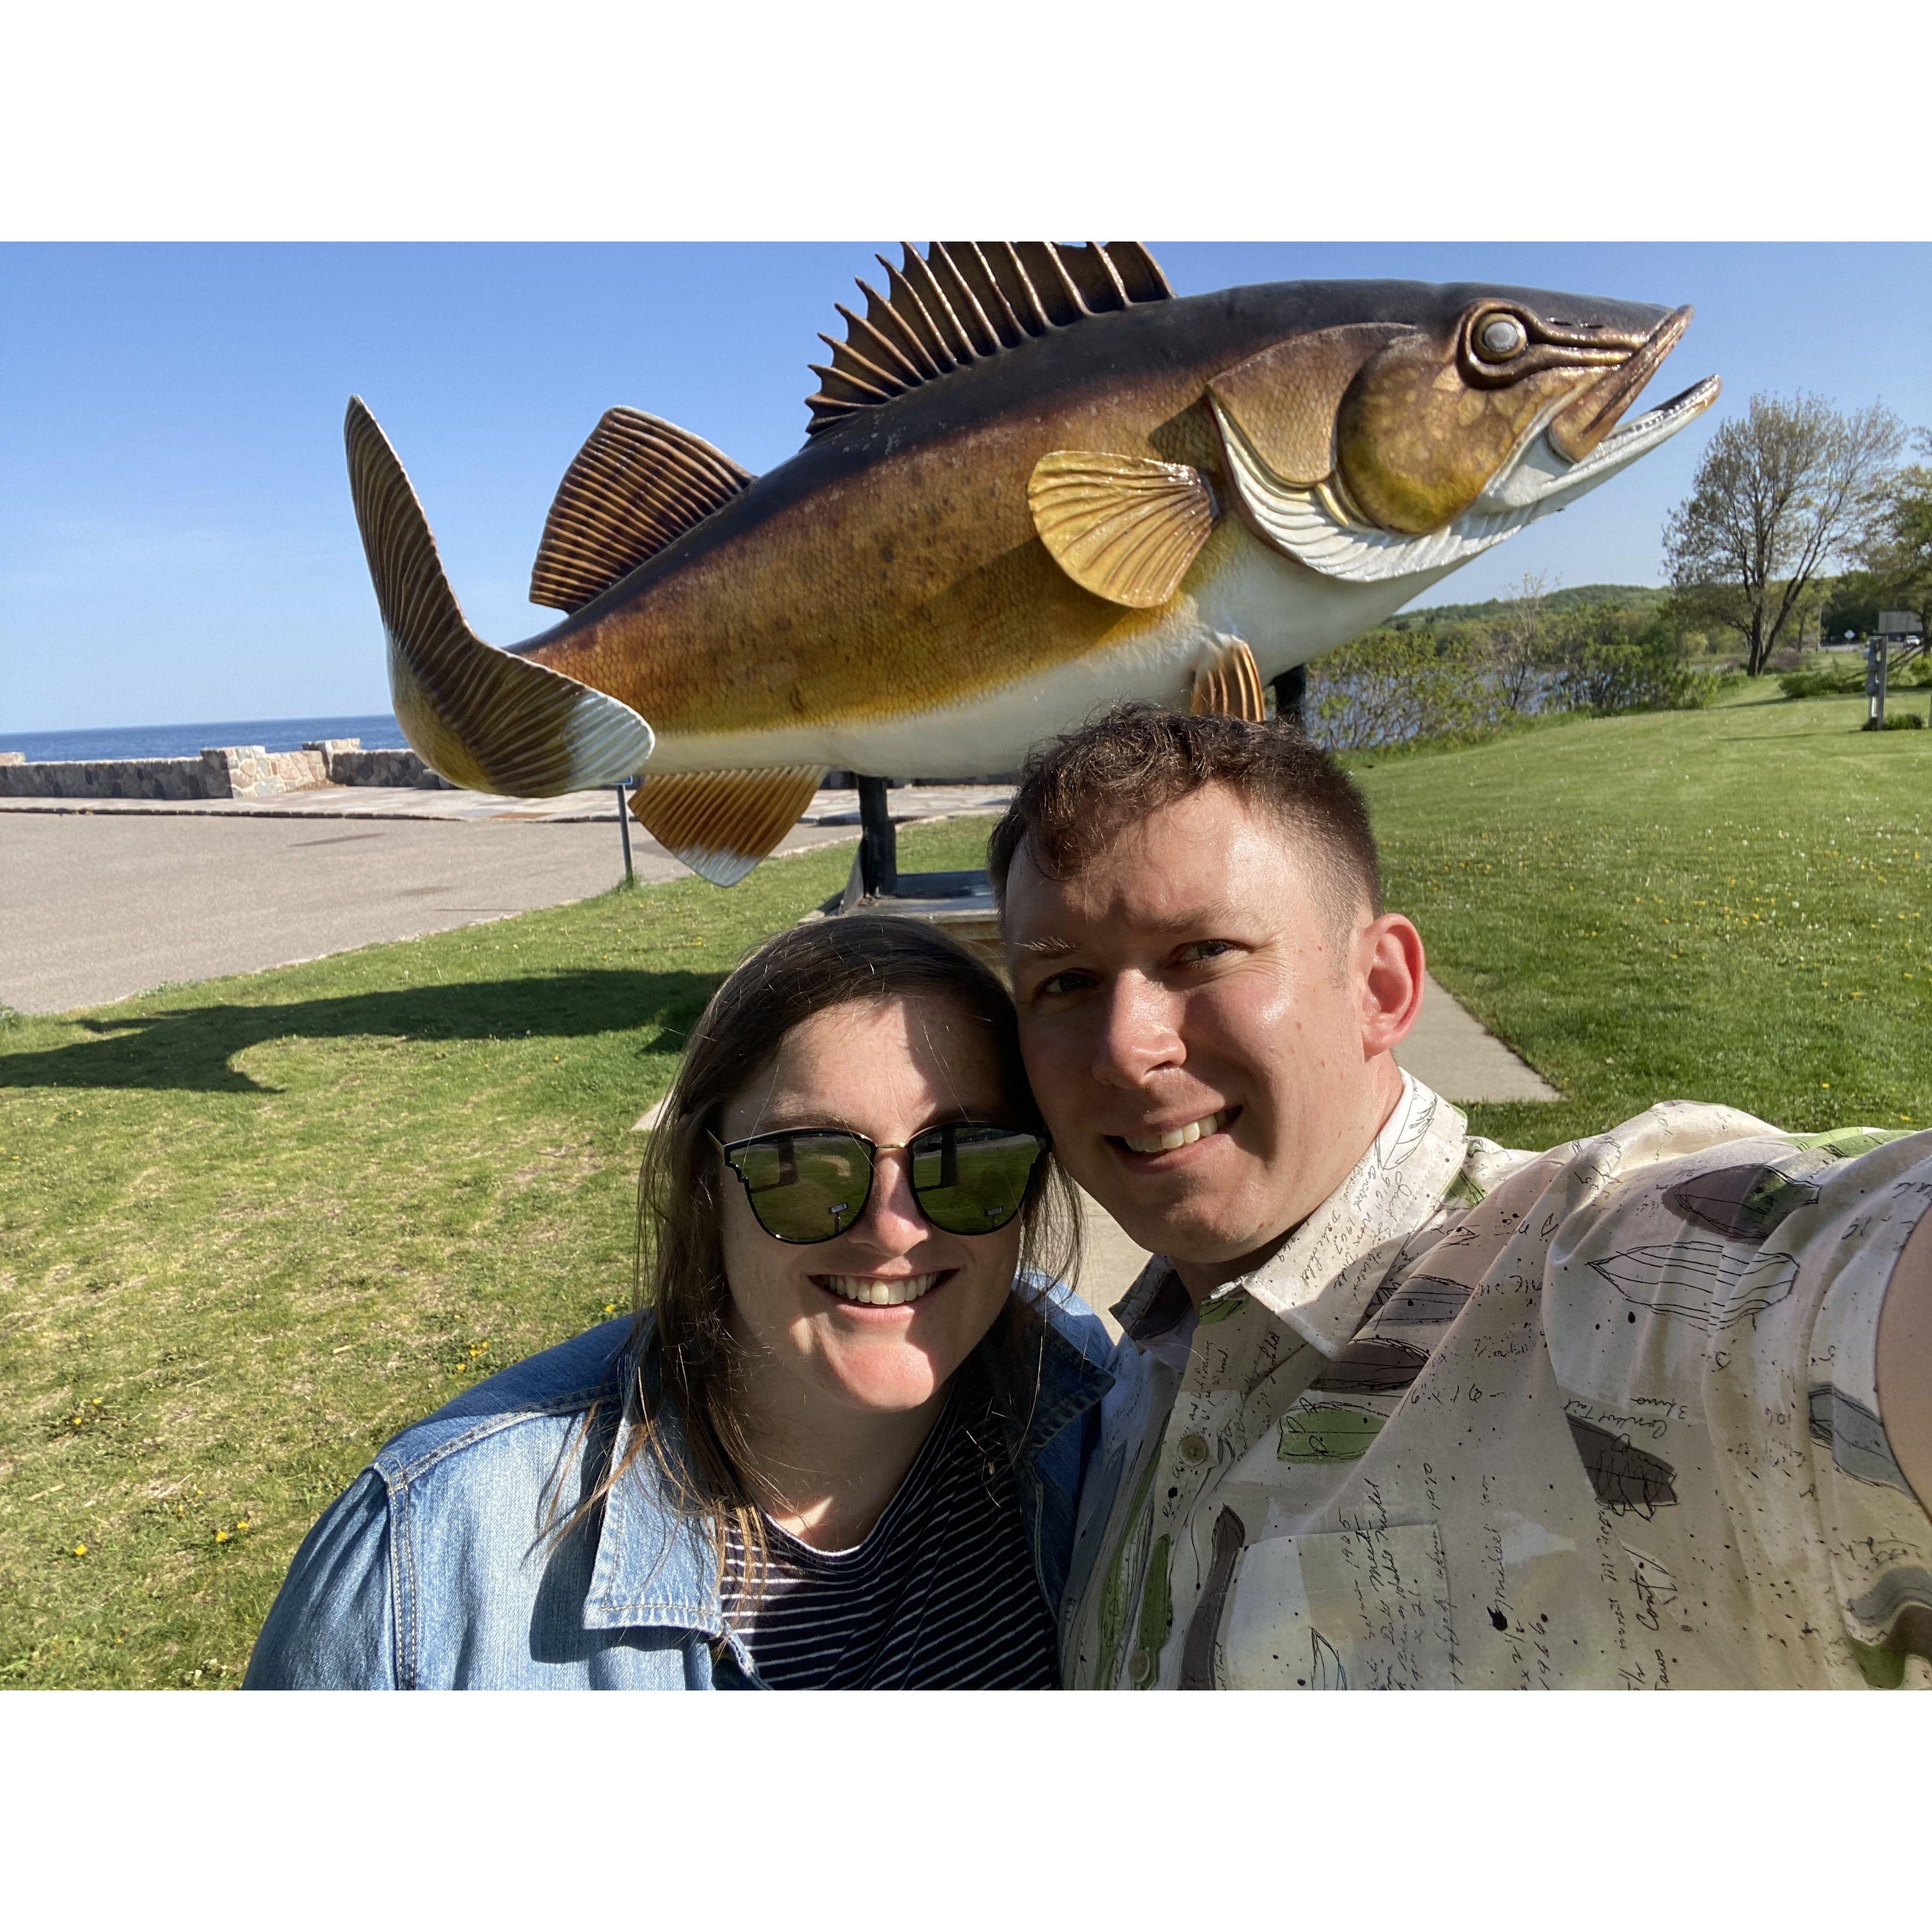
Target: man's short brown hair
<point>1079,793</point>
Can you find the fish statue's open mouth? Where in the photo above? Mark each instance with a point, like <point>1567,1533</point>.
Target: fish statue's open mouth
<point>1565,448</point>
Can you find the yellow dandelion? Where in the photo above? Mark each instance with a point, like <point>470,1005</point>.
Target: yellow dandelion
<point>80,1550</point>
<point>221,1536</point>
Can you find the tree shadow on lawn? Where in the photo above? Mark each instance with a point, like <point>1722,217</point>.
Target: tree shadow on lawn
<point>192,1048</point>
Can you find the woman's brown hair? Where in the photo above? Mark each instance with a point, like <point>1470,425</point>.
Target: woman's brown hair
<point>684,1362</point>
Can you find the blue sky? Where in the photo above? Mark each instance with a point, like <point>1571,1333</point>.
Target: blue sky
<point>176,541</point>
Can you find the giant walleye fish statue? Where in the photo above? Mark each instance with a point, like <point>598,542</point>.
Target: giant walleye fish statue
<point>1035,482</point>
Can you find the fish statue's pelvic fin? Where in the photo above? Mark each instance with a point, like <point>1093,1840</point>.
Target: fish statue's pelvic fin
<point>721,823</point>
<point>1227,680</point>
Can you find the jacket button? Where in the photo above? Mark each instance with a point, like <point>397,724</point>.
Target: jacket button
<point>1140,1667</point>
<point>1194,1449</point>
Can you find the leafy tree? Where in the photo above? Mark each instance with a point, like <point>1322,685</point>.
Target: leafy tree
<point>1898,549</point>
<point>1777,495</point>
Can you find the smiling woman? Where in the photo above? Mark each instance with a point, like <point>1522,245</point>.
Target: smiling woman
<point>841,1445</point>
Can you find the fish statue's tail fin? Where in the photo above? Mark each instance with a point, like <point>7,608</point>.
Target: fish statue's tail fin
<point>482,718</point>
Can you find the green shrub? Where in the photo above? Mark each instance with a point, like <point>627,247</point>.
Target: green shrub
<point>1615,660</point>
<point>1824,679</point>
<point>1898,721</point>
<point>1392,687</point>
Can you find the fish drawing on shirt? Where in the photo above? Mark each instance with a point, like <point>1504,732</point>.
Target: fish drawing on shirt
<point>1327,1433</point>
<point>1745,1204</point>
<point>1372,1366</point>
<point>1624,1479</point>
<point>1854,1435</point>
<point>1420,1302</point>
<point>1703,1281</point>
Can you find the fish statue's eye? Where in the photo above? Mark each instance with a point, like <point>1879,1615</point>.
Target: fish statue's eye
<point>1499,338</point>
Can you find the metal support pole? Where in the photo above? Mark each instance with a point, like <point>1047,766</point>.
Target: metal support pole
<point>1290,689</point>
<point>878,841</point>
<point>624,826</point>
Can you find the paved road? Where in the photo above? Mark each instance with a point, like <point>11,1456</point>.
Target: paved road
<point>95,907</point>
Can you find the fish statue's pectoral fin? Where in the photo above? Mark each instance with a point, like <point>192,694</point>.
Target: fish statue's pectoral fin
<point>483,718</point>
<point>1227,680</point>
<point>1124,527</point>
<point>721,823</point>
<point>637,485</point>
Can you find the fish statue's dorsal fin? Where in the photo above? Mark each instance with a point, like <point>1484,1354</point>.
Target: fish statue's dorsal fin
<point>963,302</point>
<point>637,484</point>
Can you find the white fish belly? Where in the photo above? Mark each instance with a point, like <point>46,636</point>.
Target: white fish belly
<point>1285,612</point>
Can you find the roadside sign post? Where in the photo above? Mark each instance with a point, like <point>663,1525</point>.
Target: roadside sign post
<point>1877,652</point>
<point>624,828</point>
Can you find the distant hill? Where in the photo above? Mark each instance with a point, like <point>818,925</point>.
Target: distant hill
<point>1630,596</point>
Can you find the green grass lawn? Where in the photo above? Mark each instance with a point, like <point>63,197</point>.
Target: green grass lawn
<point>251,1227</point>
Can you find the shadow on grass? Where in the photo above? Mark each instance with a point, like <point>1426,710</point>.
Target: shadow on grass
<point>192,1048</point>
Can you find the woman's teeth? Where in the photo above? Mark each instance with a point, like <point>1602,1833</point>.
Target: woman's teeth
<point>879,1294</point>
<point>1178,1137</point>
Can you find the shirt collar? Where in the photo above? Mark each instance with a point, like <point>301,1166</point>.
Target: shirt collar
<point>1320,1280</point>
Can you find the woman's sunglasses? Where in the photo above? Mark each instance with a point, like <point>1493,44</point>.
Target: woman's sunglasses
<point>808,1184</point>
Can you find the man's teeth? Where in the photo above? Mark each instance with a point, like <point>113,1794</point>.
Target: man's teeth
<point>1178,1137</point>
<point>879,1294</point>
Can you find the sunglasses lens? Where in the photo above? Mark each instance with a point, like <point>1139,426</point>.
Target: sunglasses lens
<point>971,1180</point>
<point>805,1187</point>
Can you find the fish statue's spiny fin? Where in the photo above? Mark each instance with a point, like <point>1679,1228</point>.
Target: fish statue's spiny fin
<point>1228,681</point>
<point>638,484</point>
<point>964,301</point>
<point>721,823</point>
<point>483,718</point>
<point>1124,527</point>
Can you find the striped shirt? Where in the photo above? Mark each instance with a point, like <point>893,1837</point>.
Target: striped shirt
<point>942,1594</point>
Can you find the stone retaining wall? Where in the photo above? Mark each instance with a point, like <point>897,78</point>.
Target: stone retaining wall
<point>225,771</point>
<point>349,764</point>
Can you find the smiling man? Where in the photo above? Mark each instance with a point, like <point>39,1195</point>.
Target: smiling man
<point>1402,1408</point>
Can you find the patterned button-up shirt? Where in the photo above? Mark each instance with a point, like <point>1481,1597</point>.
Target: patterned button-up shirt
<point>1604,1416</point>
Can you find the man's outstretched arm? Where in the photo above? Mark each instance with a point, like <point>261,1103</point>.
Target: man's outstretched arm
<point>1904,1361</point>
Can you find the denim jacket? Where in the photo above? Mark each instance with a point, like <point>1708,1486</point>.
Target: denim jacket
<point>432,1570</point>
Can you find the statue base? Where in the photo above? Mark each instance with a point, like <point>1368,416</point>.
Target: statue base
<point>959,903</point>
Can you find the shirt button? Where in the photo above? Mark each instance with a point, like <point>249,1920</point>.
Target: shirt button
<point>1140,1667</point>
<point>1194,1449</point>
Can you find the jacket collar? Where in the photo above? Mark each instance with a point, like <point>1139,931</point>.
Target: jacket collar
<point>1320,1280</point>
<point>656,1568</point>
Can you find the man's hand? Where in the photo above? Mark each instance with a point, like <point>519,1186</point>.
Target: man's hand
<point>1904,1366</point>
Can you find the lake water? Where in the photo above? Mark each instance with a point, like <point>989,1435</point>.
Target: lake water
<point>381,733</point>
